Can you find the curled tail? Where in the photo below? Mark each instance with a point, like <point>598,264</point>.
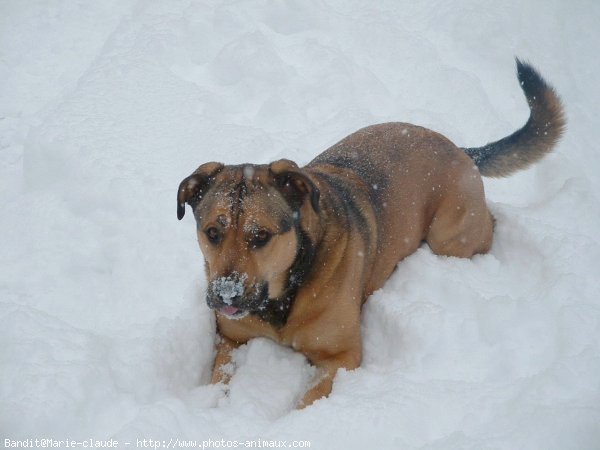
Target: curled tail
<point>534,140</point>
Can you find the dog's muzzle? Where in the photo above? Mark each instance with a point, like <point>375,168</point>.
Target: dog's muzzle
<point>229,297</point>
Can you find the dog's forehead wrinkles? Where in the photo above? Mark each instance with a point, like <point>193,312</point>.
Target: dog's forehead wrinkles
<point>265,208</point>
<point>223,220</point>
<point>214,205</point>
<point>244,197</point>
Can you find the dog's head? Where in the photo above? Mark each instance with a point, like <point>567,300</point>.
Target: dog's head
<point>253,226</point>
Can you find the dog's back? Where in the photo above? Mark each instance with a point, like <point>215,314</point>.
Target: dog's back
<point>423,187</point>
<point>411,174</point>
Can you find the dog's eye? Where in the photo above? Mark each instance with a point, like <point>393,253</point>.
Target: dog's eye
<point>213,235</point>
<point>260,238</point>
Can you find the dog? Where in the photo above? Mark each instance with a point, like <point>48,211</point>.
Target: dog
<point>292,253</point>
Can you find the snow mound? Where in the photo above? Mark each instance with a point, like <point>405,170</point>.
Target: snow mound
<point>106,106</point>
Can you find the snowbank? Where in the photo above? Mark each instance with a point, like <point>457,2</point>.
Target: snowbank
<point>106,106</point>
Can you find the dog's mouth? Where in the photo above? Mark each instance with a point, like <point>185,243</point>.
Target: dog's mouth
<point>228,297</point>
<point>231,312</point>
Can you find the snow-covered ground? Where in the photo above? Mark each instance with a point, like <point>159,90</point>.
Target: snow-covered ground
<point>106,105</point>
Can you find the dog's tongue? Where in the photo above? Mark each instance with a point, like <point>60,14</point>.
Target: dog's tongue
<point>228,310</point>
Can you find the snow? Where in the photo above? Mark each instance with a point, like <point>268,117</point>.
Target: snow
<point>106,106</point>
<point>229,287</point>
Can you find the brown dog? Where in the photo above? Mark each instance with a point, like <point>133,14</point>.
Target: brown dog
<point>293,253</point>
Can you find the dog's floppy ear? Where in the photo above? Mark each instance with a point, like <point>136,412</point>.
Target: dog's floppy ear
<point>195,186</point>
<point>293,183</point>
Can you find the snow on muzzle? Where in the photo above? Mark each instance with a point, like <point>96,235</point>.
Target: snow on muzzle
<point>229,297</point>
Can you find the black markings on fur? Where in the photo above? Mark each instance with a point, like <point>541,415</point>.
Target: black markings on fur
<point>531,142</point>
<point>288,184</point>
<point>375,179</point>
<point>303,263</point>
<point>345,205</point>
<point>285,225</point>
<point>203,185</point>
<point>276,311</point>
<point>237,205</point>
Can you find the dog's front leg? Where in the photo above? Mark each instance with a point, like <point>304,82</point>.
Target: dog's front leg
<point>223,368</point>
<point>327,367</point>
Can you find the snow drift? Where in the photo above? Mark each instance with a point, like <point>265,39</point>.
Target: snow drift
<point>106,106</point>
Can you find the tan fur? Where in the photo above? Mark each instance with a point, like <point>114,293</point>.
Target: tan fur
<point>434,193</point>
<point>357,209</point>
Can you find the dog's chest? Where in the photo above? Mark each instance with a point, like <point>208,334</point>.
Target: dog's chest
<point>250,327</point>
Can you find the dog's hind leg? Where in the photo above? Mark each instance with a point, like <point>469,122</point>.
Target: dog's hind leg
<point>462,226</point>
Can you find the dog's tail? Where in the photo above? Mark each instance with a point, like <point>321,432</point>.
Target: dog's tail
<point>534,140</point>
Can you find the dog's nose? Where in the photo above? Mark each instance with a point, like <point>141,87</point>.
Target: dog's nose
<point>231,301</point>
<point>229,289</point>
